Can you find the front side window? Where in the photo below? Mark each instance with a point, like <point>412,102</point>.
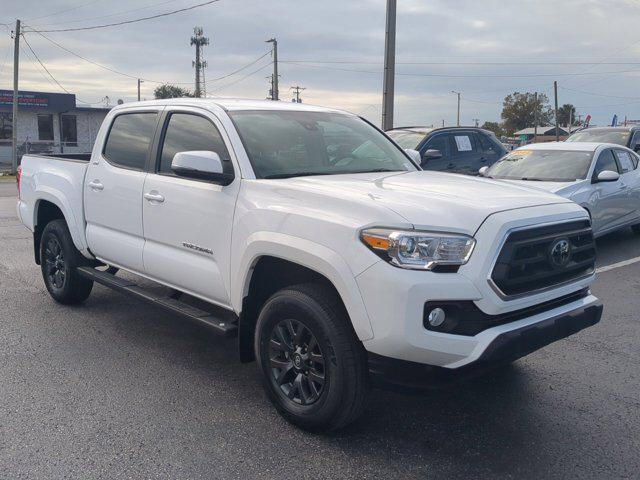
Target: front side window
<point>187,132</point>
<point>6,126</point>
<point>439,142</point>
<point>625,161</point>
<point>129,139</point>
<point>635,141</point>
<point>45,127</point>
<point>606,161</point>
<point>542,165</point>
<point>69,131</point>
<point>283,144</point>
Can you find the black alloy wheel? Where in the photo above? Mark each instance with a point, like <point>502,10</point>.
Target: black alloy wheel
<point>297,362</point>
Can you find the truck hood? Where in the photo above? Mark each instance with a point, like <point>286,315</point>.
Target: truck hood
<point>432,200</point>
<point>559,188</point>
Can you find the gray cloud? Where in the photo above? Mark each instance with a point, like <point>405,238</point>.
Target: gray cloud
<point>434,31</point>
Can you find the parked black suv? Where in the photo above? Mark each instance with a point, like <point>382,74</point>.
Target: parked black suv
<point>626,136</point>
<point>451,149</point>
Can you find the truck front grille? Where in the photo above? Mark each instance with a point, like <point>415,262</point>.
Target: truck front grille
<point>543,257</point>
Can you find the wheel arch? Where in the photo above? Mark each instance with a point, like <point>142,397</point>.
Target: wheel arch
<point>268,266</point>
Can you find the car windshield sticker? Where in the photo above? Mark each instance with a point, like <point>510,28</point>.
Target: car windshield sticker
<point>463,143</point>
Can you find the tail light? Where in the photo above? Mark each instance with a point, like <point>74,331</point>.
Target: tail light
<point>18,174</point>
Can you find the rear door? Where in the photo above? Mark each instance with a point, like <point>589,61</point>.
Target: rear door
<point>113,190</point>
<point>630,198</point>
<point>465,153</point>
<point>188,223</point>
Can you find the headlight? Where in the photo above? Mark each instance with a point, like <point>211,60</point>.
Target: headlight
<point>418,250</point>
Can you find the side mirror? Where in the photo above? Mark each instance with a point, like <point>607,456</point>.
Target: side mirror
<point>200,165</point>
<point>413,154</point>
<point>432,154</point>
<point>607,176</point>
<point>483,171</point>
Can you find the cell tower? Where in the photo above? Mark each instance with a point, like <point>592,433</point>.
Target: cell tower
<point>199,40</point>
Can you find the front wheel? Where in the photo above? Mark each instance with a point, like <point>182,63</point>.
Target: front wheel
<point>59,262</point>
<point>314,367</point>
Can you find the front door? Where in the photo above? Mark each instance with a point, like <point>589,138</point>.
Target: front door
<point>606,200</point>
<point>113,190</point>
<point>188,223</point>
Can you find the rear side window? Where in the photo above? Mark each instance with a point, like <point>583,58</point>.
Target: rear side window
<point>186,132</point>
<point>606,161</point>
<point>129,139</point>
<point>625,161</point>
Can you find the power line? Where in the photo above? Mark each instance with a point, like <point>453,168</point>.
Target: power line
<point>113,70</point>
<point>126,22</point>
<point>244,77</point>
<point>439,75</point>
<point>49,73</point>
<point>65,11</point>
<point>115,14</point>
<point>352,62</point>
<point>599,94</point>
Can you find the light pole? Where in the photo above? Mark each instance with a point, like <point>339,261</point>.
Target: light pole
<point>458,94</point>
<point>139,82</point>
<point>388,88</point>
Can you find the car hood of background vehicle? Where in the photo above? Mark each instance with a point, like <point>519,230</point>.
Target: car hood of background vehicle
<point>434,200</point>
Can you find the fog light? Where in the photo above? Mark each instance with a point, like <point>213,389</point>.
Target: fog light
<point>436,317</point>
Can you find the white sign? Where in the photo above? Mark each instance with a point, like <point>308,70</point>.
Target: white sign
<point>464,143</point>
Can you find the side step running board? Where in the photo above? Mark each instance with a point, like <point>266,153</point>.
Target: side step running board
<point>224,324</point>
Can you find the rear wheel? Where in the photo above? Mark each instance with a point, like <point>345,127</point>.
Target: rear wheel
<point>59,260</point>
<point>314,367</point>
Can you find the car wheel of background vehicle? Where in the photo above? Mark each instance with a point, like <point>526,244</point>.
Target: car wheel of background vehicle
<point>59,260</point>
<point>314,367</point>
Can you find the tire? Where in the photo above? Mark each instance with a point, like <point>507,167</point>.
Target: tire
<point>636,229</point>
<point>327,349</point>
<point>59,260</point>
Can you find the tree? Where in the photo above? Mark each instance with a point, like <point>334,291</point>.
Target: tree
<point>494,127</point>
<point>566,114</point>
<point>519,111</point>
<point>171,91</point>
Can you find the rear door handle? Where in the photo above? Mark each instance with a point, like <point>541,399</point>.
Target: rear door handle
<point>96,185</point>
<point>450,166</point>
<point>154,197</point>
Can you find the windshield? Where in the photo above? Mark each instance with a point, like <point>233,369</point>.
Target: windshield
<point>617,136</point>
<point>543,165</point>
<point>406,139</point>
<point>283,144</point>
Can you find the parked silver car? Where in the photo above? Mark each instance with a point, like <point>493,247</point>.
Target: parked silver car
<point>602,177</point>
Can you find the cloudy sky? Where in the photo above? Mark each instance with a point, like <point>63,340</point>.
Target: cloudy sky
<point>485,49</point>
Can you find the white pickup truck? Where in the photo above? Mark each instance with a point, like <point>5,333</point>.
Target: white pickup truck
<point>313,238</point>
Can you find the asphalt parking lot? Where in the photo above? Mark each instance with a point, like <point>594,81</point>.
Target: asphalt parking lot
<point>116,389</point>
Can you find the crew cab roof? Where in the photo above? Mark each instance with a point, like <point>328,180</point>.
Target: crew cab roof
<point>232,104</point>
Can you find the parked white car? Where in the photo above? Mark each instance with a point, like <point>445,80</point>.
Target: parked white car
<point>312,237</point>
<point>603,178</point>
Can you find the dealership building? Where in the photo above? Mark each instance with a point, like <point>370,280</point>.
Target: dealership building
<point>47,123</point>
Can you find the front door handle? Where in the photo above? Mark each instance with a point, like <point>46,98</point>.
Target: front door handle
<point>451,166</point>
<point>154,196</point>
<point>96,185</point>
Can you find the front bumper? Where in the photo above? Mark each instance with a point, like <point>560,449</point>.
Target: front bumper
<point>505,347</point>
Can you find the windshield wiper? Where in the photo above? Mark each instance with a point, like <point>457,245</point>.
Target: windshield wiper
<point>530,179</point>
<point>296,174</point>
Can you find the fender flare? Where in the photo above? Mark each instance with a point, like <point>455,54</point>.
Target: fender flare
<point>311,255</point>
<point>52,195</point>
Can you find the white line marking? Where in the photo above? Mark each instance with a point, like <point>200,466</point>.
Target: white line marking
<point>613,266</point>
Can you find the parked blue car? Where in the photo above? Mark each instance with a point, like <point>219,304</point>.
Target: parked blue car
<point>451,149</point>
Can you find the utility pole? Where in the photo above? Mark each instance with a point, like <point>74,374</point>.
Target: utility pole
<point>297,89</point>
<point>14,114</point>
<point>139,82</point>
<point>535,118</point>
<point>199,40</point>
<point>275,93</point>
<point>388,88</point>
<point>555,94</point>
<point>477,121</point>
<point>458,94</point>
